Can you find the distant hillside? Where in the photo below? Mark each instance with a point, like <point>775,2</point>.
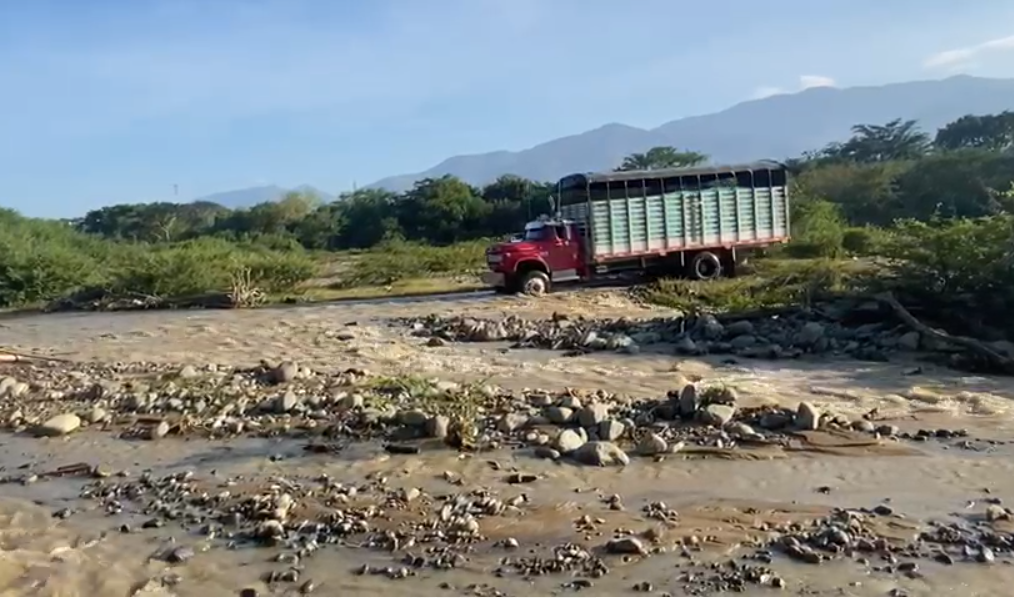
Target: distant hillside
<point>777,127</point>
<point>245,198</point>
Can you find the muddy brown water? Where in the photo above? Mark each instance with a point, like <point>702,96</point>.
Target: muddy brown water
<point>85,555</point>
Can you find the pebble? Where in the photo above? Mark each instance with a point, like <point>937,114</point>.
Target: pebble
<point>569,440</point>
<point>652,444</point>
<point>559,415</point>
<point>688,401</point>
<point>59,425</point>
<point>97,415</point>
<point>546,452</point>
<point>997,513</point>
<point>158,431</point>
<point>626,546</point>
<point>287,371</point>
<point>438,426</point>
<point>600,453</point>
<point>717,414</point>
<point>286,402</point>
<point>611,430</point>
<point>592,415</point>
<point>413,418</point>
<point>180,554</point>
<point>807,416</point>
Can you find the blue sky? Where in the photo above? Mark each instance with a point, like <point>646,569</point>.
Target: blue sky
<point>111,101</point>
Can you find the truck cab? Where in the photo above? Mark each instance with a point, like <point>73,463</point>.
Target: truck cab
<point>550,251</point>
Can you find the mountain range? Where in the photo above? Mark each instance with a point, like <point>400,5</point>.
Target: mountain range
<point>778,127</point>
<point>251,196</point>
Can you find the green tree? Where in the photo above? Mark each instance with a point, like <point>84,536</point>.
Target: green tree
<point>662,157</point>
<point>322,228</point>
<point>956,184</point>
<point>369,216</point>
<point>513,201</point>
<point>993,132</point>
<point>895,140</point>
<point>865,193</point>
<point>441,210</point>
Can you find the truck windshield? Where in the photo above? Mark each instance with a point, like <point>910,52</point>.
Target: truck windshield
<point>542,233</point>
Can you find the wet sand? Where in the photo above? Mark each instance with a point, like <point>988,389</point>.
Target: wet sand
<point>731,500</point>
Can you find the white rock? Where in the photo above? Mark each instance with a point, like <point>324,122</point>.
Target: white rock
<point>65,423</point>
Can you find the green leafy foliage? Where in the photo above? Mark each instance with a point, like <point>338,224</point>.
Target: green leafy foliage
<point>936,208</point>
<point>957,256</point>
<point>397,259</point>
<point>44,260</point>
<point>662,157</point>
<point>818,229</point>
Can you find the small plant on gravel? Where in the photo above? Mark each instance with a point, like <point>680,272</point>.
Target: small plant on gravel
<point>718,394</point>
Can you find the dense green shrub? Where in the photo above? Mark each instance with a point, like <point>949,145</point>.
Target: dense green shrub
<point>864,240</point>
<point>43,260</point>
<point>396,260</point>
<point>818,230</point>
<point>955,257</point>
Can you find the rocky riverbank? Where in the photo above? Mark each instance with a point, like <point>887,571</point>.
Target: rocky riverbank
<point>331,409</point>
<point>348,462</point>
<point>866,330</point>
<point>425,532</point>
<point>450,521</point>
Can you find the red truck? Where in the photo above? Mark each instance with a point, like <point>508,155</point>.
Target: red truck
<point>684,222</point>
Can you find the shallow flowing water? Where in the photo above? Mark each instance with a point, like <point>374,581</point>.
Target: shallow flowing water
<point>86,554</point>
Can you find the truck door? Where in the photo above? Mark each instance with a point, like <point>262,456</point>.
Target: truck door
<point>564,255</point>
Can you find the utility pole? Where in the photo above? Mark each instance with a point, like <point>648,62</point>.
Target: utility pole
<point>528,199</point>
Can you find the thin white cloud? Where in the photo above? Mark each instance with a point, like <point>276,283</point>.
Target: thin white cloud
<point>766,92</point>
<point>809,81</point>
<point>805,82</point>
<point>959,57</point>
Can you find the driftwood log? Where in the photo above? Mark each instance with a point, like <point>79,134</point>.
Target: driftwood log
<point>996,360</point>
<point>8,356</point>
<point>104,301</point>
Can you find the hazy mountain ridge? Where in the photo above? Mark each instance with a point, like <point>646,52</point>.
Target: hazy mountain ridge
<point>778,127</point>
<point>251,196</point>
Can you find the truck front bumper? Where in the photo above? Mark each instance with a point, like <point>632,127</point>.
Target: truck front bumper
<point>494,279</point>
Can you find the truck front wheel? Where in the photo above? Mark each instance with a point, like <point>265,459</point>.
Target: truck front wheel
<point>535,283</point>
<point>705,266</point>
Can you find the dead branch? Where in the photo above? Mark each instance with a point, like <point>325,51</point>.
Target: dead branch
<point>994,357</point>
<point>16,357</point>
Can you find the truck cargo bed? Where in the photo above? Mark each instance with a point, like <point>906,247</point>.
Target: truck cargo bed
<point>684,220</point>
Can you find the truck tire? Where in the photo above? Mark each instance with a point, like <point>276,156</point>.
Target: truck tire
<point>535,283</point>
<point>705,266</point>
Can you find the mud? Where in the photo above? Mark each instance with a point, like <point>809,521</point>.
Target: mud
<point>729,504</point>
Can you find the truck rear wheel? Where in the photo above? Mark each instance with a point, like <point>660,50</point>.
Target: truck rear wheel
<point>705,266</point>
<point>535,283</point>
